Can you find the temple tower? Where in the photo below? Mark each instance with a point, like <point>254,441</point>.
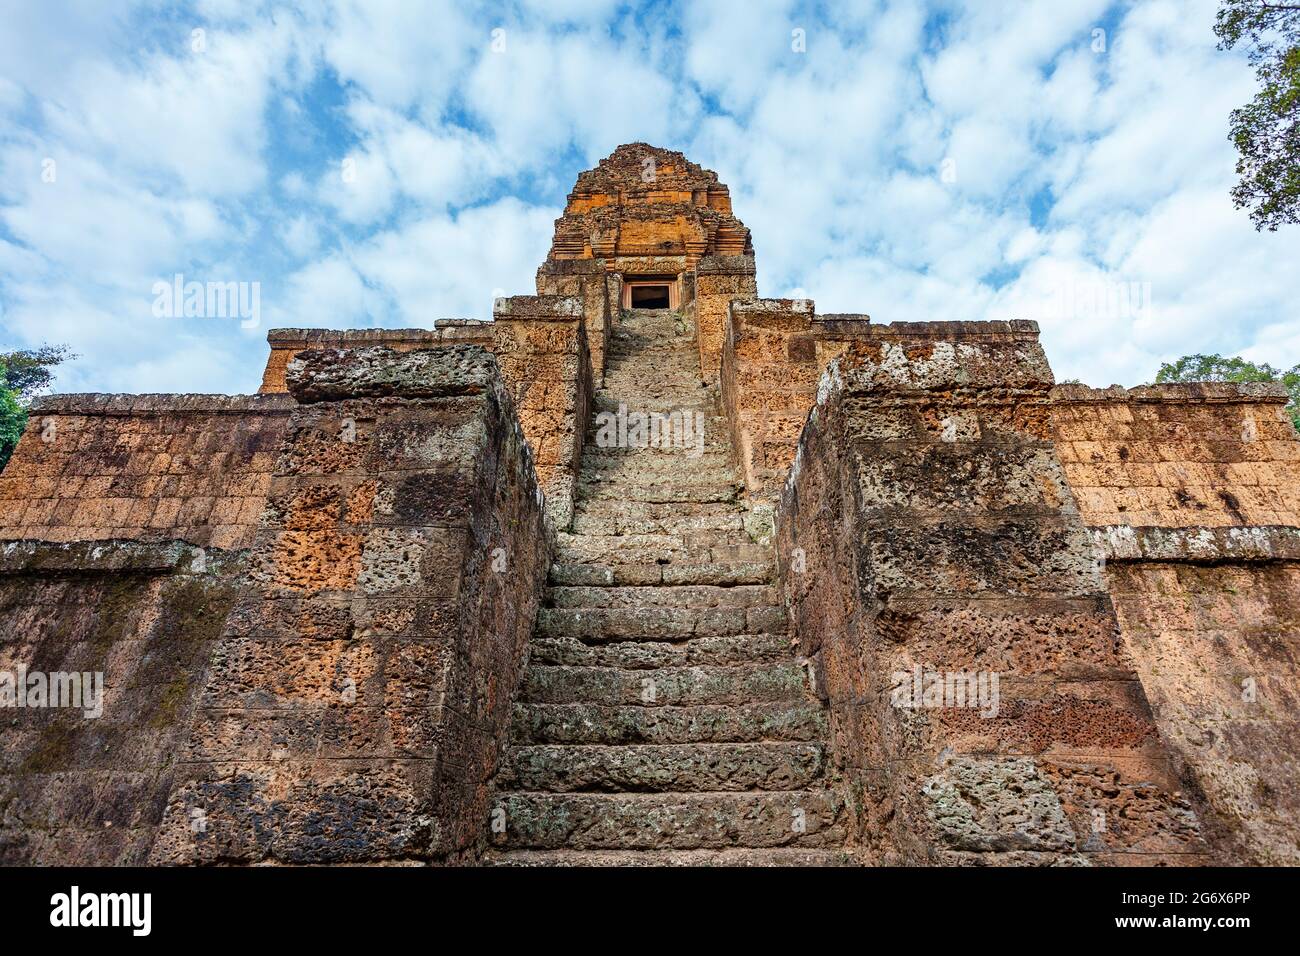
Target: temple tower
<point>647,228</point>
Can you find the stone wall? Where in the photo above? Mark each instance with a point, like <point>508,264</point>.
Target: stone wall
<point>1194,492</point>
<point>927,528</point>
<point>588,281</point>
<point>360,690</point>
<point>125,519</point>
<point>719,280</point>
<point>774,353</point>
<point>286,343</point>
<point>1215,647</point>
<point>143,467</point>
<point>770,365</point>
<point>1207,455</point>
<point>79,790</point>
<point>541,345</point>
<point>336,691</point>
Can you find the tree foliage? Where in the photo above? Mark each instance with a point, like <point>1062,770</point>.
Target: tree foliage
<point>24,374</point>
<point>13,419</point>
<point>1266,131</point>
<point>1216,368</point>
<point>30,371</point>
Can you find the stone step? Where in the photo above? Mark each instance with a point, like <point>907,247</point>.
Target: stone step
<point>635,352</point>
<point>655,509</point>
<point>645,333</point>
<point>718,444</point>
<point>651,374</point>
<point>662,509</point>
<point>659,485</point>
<point>659,491</point>
<point>663,461</point>
<point>688,595</point>
<point>658,768</point>
<point>632,396</point>
<point>599,546</point>
<point>702,548</point>
<point>643,397</point>
<point>659,467</point>
<point>588,519</point>
<point>689,571</point>
<point>658,623</point>
<point>654,337</point>
<point>643,391</point>
<point>633,655</point>
<point>717,452</point>
<point>670,821</point>
<point>666,686</point>
<point>636,394</point>
<point>656,319</point>
<point>732,857</point>
<point>646,375</point>
<point>593,724</point>
<point>596,457</point>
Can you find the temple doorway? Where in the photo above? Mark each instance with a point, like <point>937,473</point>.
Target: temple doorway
<point>650,292</point>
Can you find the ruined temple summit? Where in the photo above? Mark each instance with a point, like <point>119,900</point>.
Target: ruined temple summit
<point>651,570</point>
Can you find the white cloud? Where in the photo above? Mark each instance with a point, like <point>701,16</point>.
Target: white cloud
<point>192,116</point>
<point>301,236</point>
<point>402,54</point>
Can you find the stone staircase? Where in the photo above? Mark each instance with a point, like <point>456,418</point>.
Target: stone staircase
<point>663,718</point>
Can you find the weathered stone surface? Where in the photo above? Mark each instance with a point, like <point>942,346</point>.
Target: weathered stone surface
<point>596,724</point>
<point>1210,454</point>
<point>1214,644</point>
<point>152,468</point>
<point>691,595</point>
<point>666,686</point>
<point>328,375</point>
<point>668,767</point>
<point>670,821</point>
<point>773,856</point>
<point>380,743</point>
<point>727,649</point>
<point>996,806</point>
<point>540,344</point>
<point>630,623</point>
<point>84,789</point>
<point>896,568</point>
<point>343,699</point>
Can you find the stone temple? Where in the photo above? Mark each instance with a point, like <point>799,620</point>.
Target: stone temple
<point>649,569</point>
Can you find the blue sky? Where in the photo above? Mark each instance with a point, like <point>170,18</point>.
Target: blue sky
<point>390,163</point>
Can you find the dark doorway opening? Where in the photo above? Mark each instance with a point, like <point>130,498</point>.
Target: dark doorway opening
<point>649,296</point>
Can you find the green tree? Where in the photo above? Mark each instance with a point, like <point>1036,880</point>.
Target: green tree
<point>1216,368</point>
<point>1266,131</point>
<point>28,372</point>
<point>24,374</point>
<point>13,419</point>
